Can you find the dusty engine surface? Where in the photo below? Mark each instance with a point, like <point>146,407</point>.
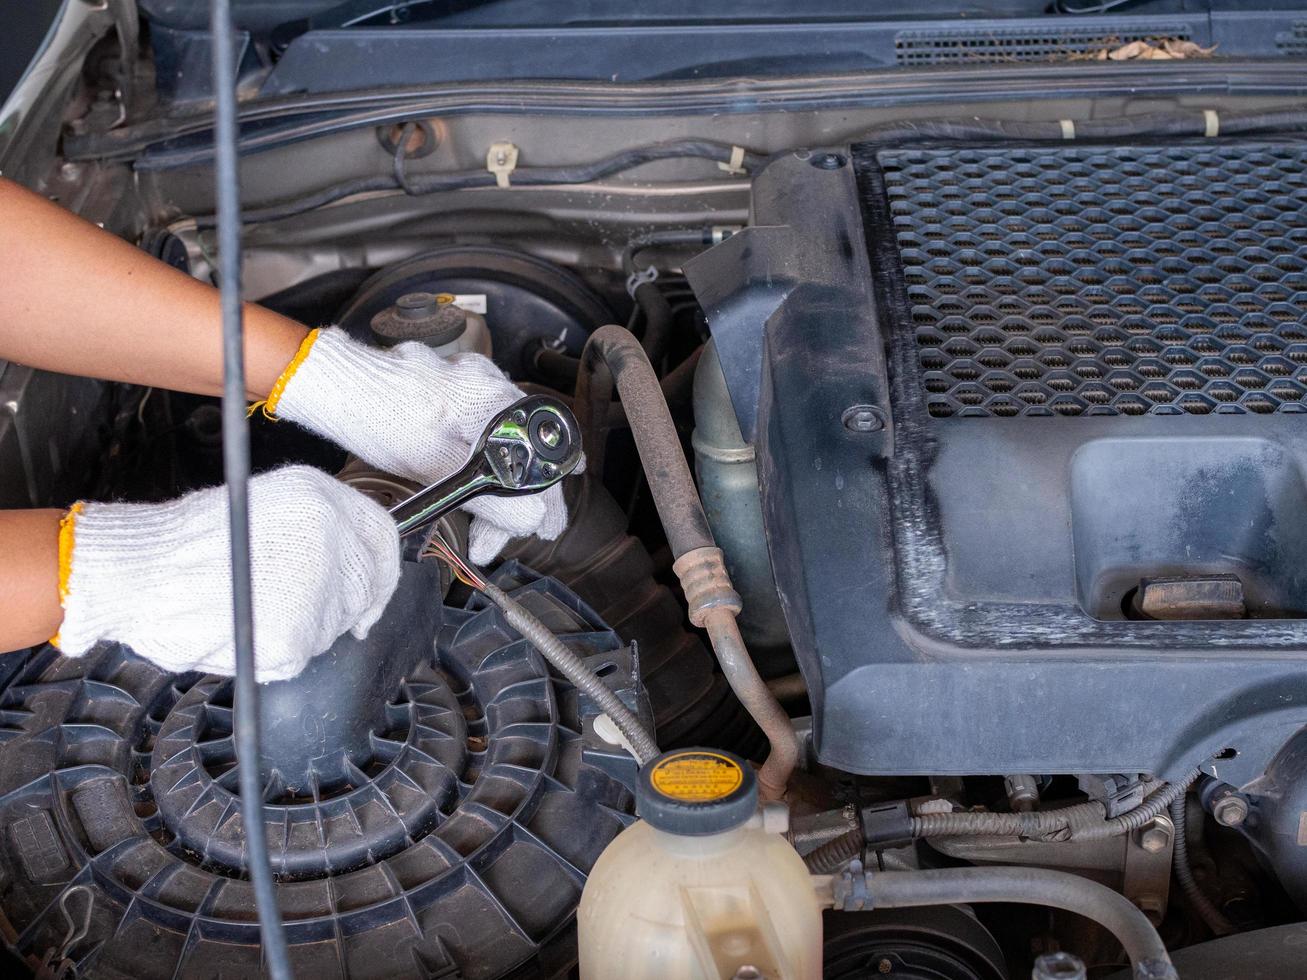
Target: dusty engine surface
<point>1028,422</point>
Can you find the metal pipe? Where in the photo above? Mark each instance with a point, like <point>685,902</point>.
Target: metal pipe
<point>1024,886</point>
<point>236,470</point>
<point>751,689</point>
<point>614,356</point>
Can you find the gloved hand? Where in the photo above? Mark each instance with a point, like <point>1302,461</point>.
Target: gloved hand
<point>323,557</point>
<point>414,414</point>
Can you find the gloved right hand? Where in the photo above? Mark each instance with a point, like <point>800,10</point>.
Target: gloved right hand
<point>323,558</point>
<point>417,415</point>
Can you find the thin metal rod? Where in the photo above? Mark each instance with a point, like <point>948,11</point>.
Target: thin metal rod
<point>236,467</point>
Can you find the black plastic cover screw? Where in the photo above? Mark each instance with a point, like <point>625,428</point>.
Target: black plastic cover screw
<point>864,418</point>
<point>829,161</point>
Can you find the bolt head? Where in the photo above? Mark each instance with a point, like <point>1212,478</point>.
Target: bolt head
<point>1155,840</point>
<point>863,418</point>
<point>1230,811</point>
<point>551,433</point>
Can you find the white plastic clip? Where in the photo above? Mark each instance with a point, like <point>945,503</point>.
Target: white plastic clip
<point>1213,120</point>
<point>736,165</point>
<point>1068,128</point>
<point>501,160</point>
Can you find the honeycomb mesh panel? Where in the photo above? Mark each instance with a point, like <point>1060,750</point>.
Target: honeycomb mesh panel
<point>1003,45</point>
<point>1104,280</point>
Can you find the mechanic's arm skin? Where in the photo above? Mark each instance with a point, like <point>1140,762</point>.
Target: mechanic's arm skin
<point>78,300</point>
<point>30,612</point>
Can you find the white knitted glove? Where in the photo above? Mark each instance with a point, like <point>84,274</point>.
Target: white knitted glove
<point>323,558</point>
<point>415,414</point>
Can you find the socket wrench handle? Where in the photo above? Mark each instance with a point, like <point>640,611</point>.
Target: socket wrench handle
<point>526,448</point>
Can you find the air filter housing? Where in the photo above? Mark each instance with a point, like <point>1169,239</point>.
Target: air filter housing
<point>1029,420</point>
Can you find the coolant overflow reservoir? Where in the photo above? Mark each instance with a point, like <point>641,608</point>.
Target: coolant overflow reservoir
<point>696,889</point>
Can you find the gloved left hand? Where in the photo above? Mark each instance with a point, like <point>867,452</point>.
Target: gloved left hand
<point>415,414</point>
<point>323,559</point>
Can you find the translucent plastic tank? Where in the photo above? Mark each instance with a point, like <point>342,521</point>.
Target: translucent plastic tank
<point>697,890</point>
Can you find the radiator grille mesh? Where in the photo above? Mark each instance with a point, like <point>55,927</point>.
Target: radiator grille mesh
<point>1109,281</point>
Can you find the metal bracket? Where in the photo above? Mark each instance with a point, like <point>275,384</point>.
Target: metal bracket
<point>1148,867</point>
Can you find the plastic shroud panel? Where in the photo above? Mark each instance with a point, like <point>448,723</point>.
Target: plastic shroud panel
<point>954,586</point>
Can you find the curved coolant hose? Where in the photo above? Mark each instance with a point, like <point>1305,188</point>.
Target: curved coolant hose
<point>574,669</point>
<point>1021,886</point>
<point>613,356</point>
<point>1184,873</point>
<point>1084,821</point>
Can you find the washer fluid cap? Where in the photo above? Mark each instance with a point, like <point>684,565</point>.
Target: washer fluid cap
<point>696,792</point>
<point>431,318</point>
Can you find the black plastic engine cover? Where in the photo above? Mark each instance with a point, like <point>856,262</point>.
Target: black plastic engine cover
<point>992,389</point>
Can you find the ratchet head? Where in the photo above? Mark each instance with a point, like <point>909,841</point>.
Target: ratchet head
<point>530,445</point>
<point>526,448</point>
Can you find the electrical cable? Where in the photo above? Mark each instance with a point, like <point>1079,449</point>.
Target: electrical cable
<point>432,183</point>
<point>236,470</point>
<point>1212,916</point>
<point>543,639</point>
<point>1084,821</point>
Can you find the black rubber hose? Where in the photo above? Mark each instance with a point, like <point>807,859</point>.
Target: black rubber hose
<point>665,237</point>
<point>558,370</point>
<point>577,673</point>
<point>613,355</point>
<point>419,184</point>
<point>1025,886</point>
<point>1184,872</point>
<point>236,471</point>
<point>658,320</point>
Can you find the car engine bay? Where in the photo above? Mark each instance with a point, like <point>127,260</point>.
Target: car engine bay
<point>942,462</point>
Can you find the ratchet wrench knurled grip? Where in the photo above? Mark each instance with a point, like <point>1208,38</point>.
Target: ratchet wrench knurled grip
<point>526,448</point>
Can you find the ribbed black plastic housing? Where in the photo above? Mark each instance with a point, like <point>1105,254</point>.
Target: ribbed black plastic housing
<point>457,848</point>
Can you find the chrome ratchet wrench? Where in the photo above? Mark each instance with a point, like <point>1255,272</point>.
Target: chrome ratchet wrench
<point>526,448</point>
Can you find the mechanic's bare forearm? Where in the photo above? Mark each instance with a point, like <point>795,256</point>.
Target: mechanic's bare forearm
<point>29,577</point>
<point>79,300</point>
